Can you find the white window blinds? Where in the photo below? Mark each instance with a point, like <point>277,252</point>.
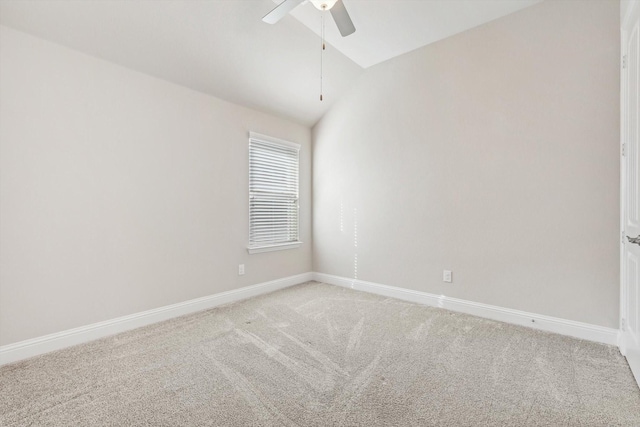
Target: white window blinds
<point>273,193</point>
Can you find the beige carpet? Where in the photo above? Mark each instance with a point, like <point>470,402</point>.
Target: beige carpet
<point>319,355</point>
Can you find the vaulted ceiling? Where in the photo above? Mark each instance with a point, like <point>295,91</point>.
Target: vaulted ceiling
<point>221,47</point>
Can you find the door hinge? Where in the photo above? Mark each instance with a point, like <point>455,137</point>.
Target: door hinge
<point>624,61</point>
<point>622,235</point>
<point>623,325</point>
<point>624,149</point>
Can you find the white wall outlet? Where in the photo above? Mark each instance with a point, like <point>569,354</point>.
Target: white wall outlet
<point>447,276</point>
<point>240,269</point>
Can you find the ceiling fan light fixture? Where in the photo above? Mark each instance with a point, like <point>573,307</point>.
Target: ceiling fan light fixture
<point>323,4</point>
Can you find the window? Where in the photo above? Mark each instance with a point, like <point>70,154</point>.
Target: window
<point>273,194</point>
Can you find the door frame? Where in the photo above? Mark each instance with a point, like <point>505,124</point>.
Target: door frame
<point>626,16</point>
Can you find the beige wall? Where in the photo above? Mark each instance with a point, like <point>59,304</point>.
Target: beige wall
<point>120,192</point>
<point>494,154</point>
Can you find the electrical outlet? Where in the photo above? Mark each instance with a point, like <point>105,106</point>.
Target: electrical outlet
<point>447,276</point>
<point>240,269</point>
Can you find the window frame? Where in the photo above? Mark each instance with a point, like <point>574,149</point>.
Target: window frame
<point>259,247</point>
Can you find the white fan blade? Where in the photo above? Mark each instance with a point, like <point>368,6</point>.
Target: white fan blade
<point>342,18</point>
<point>281,11</point>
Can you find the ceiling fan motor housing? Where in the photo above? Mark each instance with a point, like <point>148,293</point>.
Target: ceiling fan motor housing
<point>323,4</point>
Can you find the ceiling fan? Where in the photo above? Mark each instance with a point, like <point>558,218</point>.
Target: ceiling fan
<point>336,7</point>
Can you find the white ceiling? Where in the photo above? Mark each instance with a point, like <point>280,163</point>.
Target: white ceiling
<point>221,47</point>
<point>388,28</point>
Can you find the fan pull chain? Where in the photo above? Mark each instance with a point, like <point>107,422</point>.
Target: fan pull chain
<point>322,51</point>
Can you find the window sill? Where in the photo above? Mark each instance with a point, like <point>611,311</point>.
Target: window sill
<point>270,248</point>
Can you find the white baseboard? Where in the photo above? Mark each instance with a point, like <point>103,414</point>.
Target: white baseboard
<point>36,346</point>
<point>571,328</point>
<point>33,347</point>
